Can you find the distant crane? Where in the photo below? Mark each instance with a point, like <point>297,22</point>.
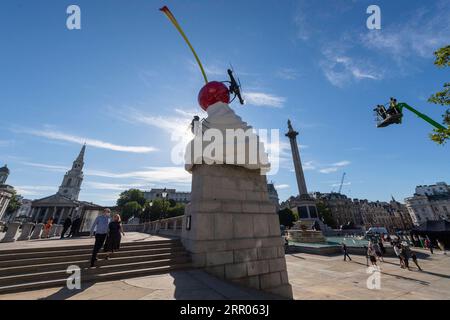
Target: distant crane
<point>342,183</point>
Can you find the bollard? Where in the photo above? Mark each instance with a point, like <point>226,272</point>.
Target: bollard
<point>26,231</point>
<point>37,231</point>
<point>10,235</point>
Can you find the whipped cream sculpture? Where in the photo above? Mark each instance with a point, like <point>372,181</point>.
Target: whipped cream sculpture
<point>223,137</point>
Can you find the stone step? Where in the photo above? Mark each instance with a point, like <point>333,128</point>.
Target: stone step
<point>53,266</point>
<point>87,247</point>
<point>79,257</point>
<point>28,286</point>
<point>71,252</point>
<point>86,272</point>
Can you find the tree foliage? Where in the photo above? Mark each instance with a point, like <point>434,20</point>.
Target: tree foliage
<point>442,97</point>
<point>131,209</point>
<point>130,196</point>
<point>325,214</point>
<point>14,204</point>
<point>287,217</point>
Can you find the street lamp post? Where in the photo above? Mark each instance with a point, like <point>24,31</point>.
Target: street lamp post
<point>163,213</point>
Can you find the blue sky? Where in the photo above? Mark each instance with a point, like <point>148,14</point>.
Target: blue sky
<point>126,81</point>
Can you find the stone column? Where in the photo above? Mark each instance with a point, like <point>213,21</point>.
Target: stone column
<point>10,235</point>
<point>26,231</point>
<point>44,220</point>
<point>234,231</point>
<point>301,183</point>
<point>37,231</point>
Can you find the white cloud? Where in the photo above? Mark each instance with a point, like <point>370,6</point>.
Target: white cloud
<point>341,70</point>
<point>282,186</point>
<point>114,186</point>
<point>5,143</point>
<point>342,163</point>
<point>48,167</point>
<point>287,74</point>
<point>328,170</point>
<point>262,99</point>
<point>152,175</point>
<point>56,135</point>
<point>424,31</point>
<point>33,191</point>
<point>334,167</point>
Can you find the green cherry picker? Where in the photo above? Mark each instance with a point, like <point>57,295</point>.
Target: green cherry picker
<point>394,114</point>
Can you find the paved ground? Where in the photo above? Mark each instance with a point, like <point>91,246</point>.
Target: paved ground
<point>319,277</point>
<point>311,276</point>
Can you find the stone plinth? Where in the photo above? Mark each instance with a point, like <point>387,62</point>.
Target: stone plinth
<point>26,231</point>
<point>234,229</point>
<point>37,231</point>
<point>13,228</point>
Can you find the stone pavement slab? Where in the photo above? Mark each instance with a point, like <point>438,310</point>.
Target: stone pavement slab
<point>312,277</point>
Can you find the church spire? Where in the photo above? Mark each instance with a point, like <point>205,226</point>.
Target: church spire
<point>71,184</point>
<point>81,155</point>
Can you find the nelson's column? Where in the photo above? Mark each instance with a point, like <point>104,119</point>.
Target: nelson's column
<point>305,206</point>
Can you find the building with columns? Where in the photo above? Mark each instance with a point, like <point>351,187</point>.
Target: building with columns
<point>6,191</point>
<point>65,202</point>
<point>429,203</point>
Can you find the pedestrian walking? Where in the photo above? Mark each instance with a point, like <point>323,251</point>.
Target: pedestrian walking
<point>345,250</point>
<point>367,255</point>
<point>398,254</point>
<point>414,258</point>
<point>66,225</point>
<point>404,253</point>
<point>441,246</point>
<point>372,255</point>
<point>429,245</point>
<point>100,225</point>
<point>75,227</point>
<point>47,227</point>
<point>115,233</point>
<point>378,253</point>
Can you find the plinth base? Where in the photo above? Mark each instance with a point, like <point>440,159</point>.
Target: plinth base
<point>232,229</point>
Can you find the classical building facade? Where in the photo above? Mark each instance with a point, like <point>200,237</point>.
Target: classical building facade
<point>273,196</point>
<point>343,209</point>
<point>172,194</point>
<point>429,203</point>
<point>6,192</point>
<point>65,202</point>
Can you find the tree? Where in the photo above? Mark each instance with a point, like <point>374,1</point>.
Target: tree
<point>443,97</point>
<point>325,214</point>
<point>130,196</point>
<point>14,204</point>
<point>158,209</point>
<point>287,217</point>
<point>131,209</point>
<point>176,211</point>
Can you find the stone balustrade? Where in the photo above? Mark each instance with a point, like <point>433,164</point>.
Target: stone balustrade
<point>169,227</point>
<point>26,231</point>
<point>10,235</point>
<point>37,231</point>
